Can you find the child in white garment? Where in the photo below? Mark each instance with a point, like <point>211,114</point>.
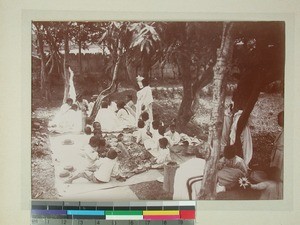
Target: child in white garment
<point>162,155</point>
<point>100,171</point>
<point>89,152</point>
<point>172,135</point>
<point>142,135</point>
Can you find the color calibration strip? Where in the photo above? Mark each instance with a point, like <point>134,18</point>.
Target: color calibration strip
<point>153,210</point>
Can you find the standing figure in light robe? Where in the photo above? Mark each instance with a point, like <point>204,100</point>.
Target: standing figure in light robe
<point>144,99</point>
<point>246,138</point>
<point>72,92</point>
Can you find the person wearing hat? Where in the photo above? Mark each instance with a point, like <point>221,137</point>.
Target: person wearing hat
<point>144,99</point>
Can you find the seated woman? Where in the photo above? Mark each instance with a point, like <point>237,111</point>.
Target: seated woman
<point>108,120</point>
<point>130,106</point>
<point>70,121</point>
<point>231,168</point>
<point>60,115</point>
<point>126,120</point>
<point>271,188</point>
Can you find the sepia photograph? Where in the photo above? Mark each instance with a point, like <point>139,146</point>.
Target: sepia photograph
<point>154,110</point>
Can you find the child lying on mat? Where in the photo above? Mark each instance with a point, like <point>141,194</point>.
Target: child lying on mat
<point>101,171</point>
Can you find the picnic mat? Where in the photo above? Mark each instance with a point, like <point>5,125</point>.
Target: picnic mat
<point>66,152</point>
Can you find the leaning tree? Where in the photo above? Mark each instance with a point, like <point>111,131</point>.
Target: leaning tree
<point>221,70</point>
<point>116,38</point>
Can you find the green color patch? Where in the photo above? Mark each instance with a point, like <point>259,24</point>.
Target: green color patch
<point>124,212</point>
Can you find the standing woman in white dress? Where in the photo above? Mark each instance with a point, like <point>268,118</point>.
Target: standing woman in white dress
<point>144,99</point>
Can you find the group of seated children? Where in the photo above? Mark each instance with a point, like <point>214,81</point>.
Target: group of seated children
<point>114,117</point>
<point>99,160</point>
<point>153,136</point>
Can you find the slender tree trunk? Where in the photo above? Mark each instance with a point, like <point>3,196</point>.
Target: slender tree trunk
<point>66,74</point>
<point>44,74</point>
<point>112,88</point>
<point>146,65</point>
<point>248,107</point>
<point>224,55</point>
<point>162,67</point>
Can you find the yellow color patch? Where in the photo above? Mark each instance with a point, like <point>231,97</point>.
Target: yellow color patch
<point>160,212</point>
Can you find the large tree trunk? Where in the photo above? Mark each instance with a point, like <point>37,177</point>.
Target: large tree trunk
<point>44,74</point>
<point>112,88</point>
<point>224,56</point>
<point>66,73</point>
<point>247,109</point>
<point>185,112</point>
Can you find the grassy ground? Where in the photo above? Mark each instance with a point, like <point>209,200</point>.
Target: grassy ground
<point>167,101</point>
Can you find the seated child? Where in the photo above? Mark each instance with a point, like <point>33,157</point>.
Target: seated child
<point>88,130</point>
<point>272,187</point>
<point>231,168</point>
<point>161,131</point>
<point>87,135</point>
<point>154,132</point>
<point>90,151</point>
<point>102,150</point>
<point>142,135</point>
<point>101,171</point>
<point>96,125</point>
<point>153,143</point>
<point>172,136</point>
<point>97,129</point>
<point>145,118</point>
<point>162,155</point>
